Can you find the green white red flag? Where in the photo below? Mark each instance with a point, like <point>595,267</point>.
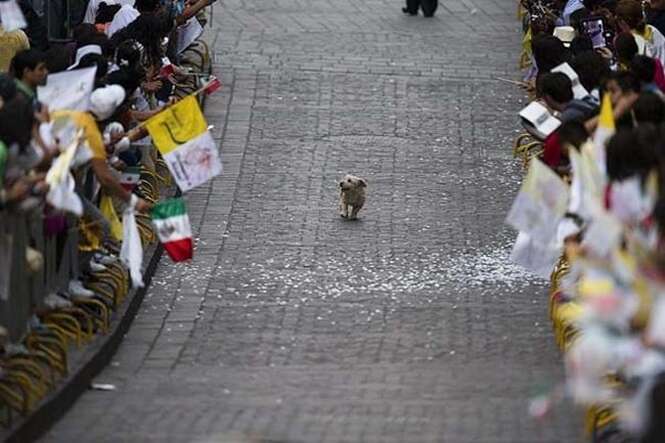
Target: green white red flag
<point>130,177</point>
<point>173,229</point>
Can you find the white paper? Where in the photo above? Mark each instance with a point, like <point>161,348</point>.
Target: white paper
<point>68,90</point>
<point>540,118</point>
<point>656,327</point>
<point>11,16</point>
<point>540,204</point>
<point>195,162</point>
<point>533,256</point>
<point>628,202</point>
<point>587,186</point>
<point>188,33</point>
<point>603,234</point>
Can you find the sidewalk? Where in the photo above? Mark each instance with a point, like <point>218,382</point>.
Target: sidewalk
<point>294,325</point>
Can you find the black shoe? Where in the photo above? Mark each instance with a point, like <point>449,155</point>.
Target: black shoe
<point>407,11</point>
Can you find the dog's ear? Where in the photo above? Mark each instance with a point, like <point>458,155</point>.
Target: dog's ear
<point>362,182</point>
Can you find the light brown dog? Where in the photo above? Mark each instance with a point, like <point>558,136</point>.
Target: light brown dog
<point>352,195</point>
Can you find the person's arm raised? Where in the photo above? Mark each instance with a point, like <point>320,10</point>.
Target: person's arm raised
<point>192,10</point>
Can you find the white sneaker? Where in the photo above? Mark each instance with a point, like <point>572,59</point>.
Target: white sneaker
<point>105,259</point>
<point>77,289</point>
<point>96,267</point>
<point>54,301</point>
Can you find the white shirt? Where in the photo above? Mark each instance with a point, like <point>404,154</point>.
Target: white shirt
<point>93,7</point>
<point>571,6</point>
<point>122,18</point>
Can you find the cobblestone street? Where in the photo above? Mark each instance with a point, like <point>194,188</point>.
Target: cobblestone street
<point>294,325</point>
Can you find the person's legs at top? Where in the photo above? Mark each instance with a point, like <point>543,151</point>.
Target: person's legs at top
<point>411,7</point>
<point>429,7</point>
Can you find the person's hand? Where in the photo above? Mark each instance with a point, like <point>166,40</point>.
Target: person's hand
<point>143,206</point>
<point>624,104</point>
<point>42,115</point>
<point>119,165</point>
<point>40,188</point>
<point>605,52</point>
<point>152,86</point>
<point>19,190</point>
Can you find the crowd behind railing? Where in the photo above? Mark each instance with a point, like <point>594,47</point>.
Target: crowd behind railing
<point>591,209</point>
<point>79,81</point>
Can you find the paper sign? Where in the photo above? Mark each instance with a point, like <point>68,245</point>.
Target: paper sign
<point>587,184</point>
<point>538,120</point>
<point>68,90</point>
<point>537,258</point>
<point>603,234</point>
<point>188,33</point>
<point>540,203</point>
<point>11,16</point>
<point>628,202</point>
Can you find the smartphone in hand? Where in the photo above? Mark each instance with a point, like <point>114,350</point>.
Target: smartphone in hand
<point>596,29</point>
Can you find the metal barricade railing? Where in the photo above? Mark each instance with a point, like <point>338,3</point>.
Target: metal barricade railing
<point>23,289</point>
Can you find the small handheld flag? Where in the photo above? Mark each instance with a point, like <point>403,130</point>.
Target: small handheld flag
<point>173,229</point>
<point>129,178</point>
<point>213,85</point>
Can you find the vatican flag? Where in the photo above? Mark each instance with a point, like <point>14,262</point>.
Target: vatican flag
<point>603,133</point>
<point>177,125</point>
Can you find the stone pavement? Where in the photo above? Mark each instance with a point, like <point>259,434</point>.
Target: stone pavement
<point>293,325</point>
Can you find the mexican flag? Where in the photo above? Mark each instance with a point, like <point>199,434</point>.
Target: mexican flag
<point>173,228</point>
<point>130,177</point>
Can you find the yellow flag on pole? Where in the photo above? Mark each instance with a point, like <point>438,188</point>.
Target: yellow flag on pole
<point>176,125</point>
<point>604,132</point>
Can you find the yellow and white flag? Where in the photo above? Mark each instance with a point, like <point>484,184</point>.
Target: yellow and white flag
<point>180,133</point>
<point>603,133</point>
<point>540,204</point>
<point>177,125</point>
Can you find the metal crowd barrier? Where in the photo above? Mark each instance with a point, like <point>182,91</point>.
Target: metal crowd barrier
<point>21,288</point>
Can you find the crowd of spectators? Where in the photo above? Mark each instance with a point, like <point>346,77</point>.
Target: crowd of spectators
<point>135,49</point>
<point>594,70</point>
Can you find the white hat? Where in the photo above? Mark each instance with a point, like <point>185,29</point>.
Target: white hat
<point>565,33</point>
<point>104,101</point>
<point>83,51</point>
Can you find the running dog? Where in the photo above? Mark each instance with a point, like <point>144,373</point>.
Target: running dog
<point>352,195</point>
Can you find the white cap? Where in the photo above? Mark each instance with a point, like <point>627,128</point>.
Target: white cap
<point>104,101</point>
<point>83,51</point>
<point>565,33</point>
